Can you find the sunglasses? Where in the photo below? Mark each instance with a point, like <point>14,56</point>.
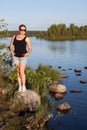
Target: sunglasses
<point>23,30</point>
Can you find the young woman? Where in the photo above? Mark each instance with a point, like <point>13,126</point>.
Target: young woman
<point>20,48</point>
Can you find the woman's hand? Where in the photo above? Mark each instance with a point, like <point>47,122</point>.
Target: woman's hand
<point>26,54</point>
<point>12,53</point>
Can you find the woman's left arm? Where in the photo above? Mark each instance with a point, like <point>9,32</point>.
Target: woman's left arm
<point>29,47</point>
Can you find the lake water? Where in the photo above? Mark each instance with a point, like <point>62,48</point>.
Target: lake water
<point>69,55</point>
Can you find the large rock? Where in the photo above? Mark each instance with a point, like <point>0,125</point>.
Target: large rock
<point>30,98</point>
<point>59,88</point>
<point>64,107</point>
<point>59,96</point>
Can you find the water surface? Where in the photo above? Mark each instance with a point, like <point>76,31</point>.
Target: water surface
<point>69,55</point>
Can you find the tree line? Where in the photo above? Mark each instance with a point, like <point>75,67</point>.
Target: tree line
<point>54,33</point>
<point>59,32</point>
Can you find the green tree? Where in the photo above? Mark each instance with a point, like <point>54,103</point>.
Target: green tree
<point>3,29</point>
<point>74,29</point>
<point>4,61</point>
<point>63,29</point>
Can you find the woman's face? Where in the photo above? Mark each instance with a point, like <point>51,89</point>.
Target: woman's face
<point>22,30</point>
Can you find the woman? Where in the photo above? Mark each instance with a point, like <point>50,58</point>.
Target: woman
<point>20,48</point>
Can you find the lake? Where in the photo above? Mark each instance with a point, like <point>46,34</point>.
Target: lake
<point>69,55</point>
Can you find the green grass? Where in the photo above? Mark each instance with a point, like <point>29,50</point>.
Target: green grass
<point>38,80</point>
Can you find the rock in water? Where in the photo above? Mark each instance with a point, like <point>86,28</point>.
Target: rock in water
<point>58,88</point>
<point>59,96</point>
<point>64,107</point>
<point>30,98</point>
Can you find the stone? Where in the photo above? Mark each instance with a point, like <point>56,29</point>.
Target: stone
<point>77,70</point>
<point>69,68</point>
<point>59,88</point>
<point>64,75</point>
<point>83,81</point>
<point>30,98</point>
<point>59,67</point>
<point>85,67</point>
<point>55,82</point>
<point>76,91</point>
<point>78,74</point>
<point>59,96</point>
<point>63,70</point>
<point>63,107</point>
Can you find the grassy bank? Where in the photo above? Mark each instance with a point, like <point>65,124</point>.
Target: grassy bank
<point>13,115</point>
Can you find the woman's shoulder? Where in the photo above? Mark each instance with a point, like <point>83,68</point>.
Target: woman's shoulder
<point>27,38</point>
<point>13,36</point>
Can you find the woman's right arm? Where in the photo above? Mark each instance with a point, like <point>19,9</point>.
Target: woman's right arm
<point>11,46</point>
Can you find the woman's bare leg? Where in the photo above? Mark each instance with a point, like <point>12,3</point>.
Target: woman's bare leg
<point>22,75</point>
<point>19,78</point>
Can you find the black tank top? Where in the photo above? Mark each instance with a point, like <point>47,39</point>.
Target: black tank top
<point>19,47</point>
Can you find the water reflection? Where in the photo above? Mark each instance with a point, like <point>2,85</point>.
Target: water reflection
<point>59,49</point>
<point>73,48</point>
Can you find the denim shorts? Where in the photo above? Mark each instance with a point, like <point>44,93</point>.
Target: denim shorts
<point>18,60</point>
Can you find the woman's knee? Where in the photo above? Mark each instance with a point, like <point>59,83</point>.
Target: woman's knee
<point>22,75</point>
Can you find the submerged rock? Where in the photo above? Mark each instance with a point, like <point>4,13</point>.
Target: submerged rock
<point>76,91</point>
<point>59,67</point>
<point>78,74</point>
<point>30,98</point>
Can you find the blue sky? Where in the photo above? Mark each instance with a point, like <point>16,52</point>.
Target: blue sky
<point>40,14</point>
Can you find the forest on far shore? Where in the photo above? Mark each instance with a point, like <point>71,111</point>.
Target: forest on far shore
<point>58,32</point>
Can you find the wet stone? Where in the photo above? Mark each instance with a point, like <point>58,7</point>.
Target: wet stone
<point>77,70</point>
<point>85,67</point>
<point>78,74</point>
<point>63,107</point>
<point>64,76</point>
<point>76,91</point>
<point>83,81</point>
